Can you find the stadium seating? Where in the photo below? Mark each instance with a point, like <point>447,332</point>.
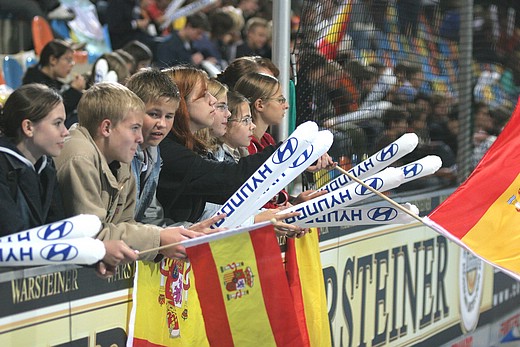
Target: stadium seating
<point>13,72</point>
<point>41,33</point>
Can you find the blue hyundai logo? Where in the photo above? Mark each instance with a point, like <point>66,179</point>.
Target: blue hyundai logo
<point>387,153</point>
<point>375,183</point>
<point>412,170</point>
<point>382,214</point>
<point>55,231</point>
<point>59,252</point>
<point>285,151</point>
<point>302,159</point>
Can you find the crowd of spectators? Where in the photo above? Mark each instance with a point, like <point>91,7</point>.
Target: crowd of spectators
<point>395,70</point>
<point>394,58</point>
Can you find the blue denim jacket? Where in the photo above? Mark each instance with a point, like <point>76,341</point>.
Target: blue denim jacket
<point>144,198</point>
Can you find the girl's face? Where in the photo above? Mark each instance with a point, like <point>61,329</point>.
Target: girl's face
<point>220,124</point>
<point>273,108</point>
<point>201,107</point>
<point>62,66</point>
<point>240,129</point>
<point>48,135</point>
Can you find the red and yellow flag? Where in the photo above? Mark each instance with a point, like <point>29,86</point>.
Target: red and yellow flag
<point>483,214</point>
<point>305,275</point>
<point>243,291</point>
<point>329,44</point>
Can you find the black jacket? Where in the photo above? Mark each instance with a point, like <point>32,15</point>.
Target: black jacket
<point>70,95</point>
<point>119,16</point>
<point>29,195</point>
<point>187,181</point>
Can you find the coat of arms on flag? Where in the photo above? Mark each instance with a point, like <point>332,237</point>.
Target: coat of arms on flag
<point>243,291</point>
<point>173,292</point>
<point>166,310</point>
<point>237,278</point>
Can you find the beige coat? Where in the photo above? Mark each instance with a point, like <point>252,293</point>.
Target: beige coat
<point>88,186</point>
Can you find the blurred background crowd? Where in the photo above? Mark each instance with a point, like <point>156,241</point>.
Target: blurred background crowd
<point>369,70</point>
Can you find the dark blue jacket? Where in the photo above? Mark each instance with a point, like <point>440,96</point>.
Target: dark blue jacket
<point>173,51</point>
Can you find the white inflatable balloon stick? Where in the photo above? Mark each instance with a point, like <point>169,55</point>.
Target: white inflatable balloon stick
<point>238,207</point>
<point>83,225</point>
<point>378,161</point>
<point>385,180</point>
<point>423,167</point>
<point>81,251</point>
<point>343,217</point>
<point>373,215</point>
<point>320,146</point>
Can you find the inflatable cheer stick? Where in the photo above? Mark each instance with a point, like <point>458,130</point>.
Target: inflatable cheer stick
<point>238,206</point>
<point>374,215</point>
<point>383,158</point>
<point>420,168</point>
<point>345,196</point>
<point>320,146</point>
<point>83,225</point>
<point>82,251</point>
<point>423,167</point>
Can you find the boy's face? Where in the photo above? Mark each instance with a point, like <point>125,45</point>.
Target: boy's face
<point>124,138</point>
<point>194,34</point>
<point>257,37</point>
<point>158,120</point>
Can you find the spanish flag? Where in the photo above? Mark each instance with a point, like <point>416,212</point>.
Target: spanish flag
<point>329,44</point>
<point>243,291</point>
<point>483,214</point>
<point>305,275</point>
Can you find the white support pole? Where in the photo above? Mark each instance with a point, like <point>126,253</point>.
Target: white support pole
<point>281,56</point>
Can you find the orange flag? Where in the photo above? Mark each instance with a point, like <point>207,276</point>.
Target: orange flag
<point>483,214</point>
<point>243,291</point>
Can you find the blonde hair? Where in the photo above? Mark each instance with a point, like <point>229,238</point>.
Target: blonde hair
<point>237,18</point>
<point>106,100</point>
<point>256,22</point>
<point>216,88</point>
